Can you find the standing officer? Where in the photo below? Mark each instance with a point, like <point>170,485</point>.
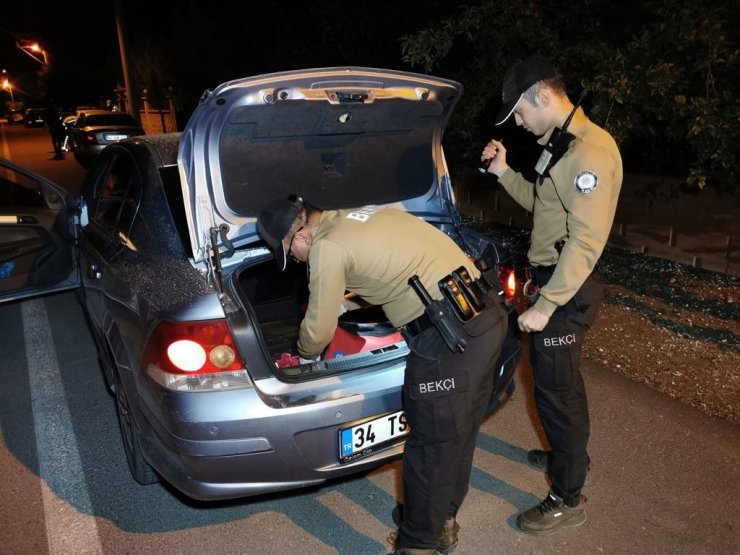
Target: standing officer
<point>373,252</point>
<point>573,201</point>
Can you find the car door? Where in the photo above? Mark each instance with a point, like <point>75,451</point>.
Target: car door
<point>38,228</point>
<point>112,194</point>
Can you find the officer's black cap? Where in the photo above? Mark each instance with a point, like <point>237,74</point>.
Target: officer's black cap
<point>518,79</point>
<point>274,223</point>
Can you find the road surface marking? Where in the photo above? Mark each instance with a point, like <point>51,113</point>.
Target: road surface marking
<point>56,444</point>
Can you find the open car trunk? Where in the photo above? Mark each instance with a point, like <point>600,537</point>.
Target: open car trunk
<point>364,337</point>
<point>279,299</point>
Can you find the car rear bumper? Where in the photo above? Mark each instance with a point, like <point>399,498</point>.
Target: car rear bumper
<point>290,447</point>
<point>287,451</point>
<point>189,474</point>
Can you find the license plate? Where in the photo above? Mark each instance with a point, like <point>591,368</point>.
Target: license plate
<point>367,437</point>
<point>114,137</point>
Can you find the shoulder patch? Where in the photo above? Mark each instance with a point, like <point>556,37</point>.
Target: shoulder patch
<point>586,182</point>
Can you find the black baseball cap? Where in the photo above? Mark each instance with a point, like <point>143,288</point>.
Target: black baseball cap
<point>274,223</point>
<point>518,79</point>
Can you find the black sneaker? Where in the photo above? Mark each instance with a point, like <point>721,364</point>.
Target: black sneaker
<point>551,515</point>
<point>448,539</point>
<point>540,460</point>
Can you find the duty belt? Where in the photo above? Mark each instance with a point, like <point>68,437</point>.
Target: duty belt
<point>418,325</point>
<point>462,300</point>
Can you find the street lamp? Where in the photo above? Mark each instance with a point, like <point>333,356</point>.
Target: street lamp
<point>8,87</point>
<point>35,51</point>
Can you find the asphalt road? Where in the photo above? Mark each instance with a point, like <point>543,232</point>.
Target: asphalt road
<point>664,477</point>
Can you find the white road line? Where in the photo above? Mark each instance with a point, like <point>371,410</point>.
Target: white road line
<point>56,444</point>
<point>4,143</point>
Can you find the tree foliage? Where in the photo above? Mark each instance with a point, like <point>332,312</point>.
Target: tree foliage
<point>662,75</point>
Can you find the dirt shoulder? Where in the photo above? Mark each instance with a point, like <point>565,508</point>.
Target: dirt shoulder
<point>671,326</point>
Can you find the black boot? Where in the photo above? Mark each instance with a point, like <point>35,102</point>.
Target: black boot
<point>447,541</point>
<point>448,537</point>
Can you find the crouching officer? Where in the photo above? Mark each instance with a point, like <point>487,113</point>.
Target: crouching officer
<point>375,252</point>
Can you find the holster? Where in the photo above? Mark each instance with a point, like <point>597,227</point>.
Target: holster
<point>487,266</point>
<point>441,317</point>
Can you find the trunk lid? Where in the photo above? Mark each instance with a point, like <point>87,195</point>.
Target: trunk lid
<point>338,137</point>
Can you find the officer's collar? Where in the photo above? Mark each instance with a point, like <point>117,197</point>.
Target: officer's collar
<point>576,126</point>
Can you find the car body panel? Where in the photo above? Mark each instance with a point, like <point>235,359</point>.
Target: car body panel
<point>315,133</point>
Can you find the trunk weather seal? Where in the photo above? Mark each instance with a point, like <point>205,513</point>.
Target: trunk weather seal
<point>332,367</point>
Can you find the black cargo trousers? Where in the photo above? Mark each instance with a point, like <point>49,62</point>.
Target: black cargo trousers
<point>560,395</point>
<point>445,395</point>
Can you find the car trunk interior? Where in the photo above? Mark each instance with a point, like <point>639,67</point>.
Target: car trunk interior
<point>279,301</point>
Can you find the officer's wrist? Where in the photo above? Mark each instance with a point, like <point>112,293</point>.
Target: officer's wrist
<point>545,307</point>
<point>499,172</point>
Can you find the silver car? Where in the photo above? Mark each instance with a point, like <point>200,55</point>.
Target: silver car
<point>195,328</point>
<point>93,130</point>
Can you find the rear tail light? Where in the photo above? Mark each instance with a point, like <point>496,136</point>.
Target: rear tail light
<point>507,276</point>
<point>195,356</point>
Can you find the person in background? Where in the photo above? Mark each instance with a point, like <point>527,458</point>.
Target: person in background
<point>57,132</point>
<point>68,122</point>
<point>573,201</point>
<point>373,252</point>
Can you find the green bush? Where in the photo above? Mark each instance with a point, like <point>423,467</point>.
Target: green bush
<point>662,76</point>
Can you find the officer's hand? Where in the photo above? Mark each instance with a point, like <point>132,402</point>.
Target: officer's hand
<point>496,153</point>
<point>532,320</point>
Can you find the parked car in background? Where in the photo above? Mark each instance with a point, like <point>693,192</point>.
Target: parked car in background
<point>195,327</point>
<point>93,130</point>
<point>34,117</point>
<point>14,116</point>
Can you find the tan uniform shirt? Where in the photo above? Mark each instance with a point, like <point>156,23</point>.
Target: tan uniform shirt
<point>373,252</point>
<point>575,204</point>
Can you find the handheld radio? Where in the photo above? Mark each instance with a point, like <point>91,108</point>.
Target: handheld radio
<point>558,142</point>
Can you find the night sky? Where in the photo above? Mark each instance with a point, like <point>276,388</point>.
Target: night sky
<point>196,45</point>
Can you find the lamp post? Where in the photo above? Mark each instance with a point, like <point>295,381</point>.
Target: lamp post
<point>8,87</point>
<point>131,105</point>
<point>33,49</point>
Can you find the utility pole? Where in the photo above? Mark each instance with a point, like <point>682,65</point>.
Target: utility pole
<point>131,104</point>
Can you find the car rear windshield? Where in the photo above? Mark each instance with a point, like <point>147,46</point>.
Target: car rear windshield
<point>110,119</point>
